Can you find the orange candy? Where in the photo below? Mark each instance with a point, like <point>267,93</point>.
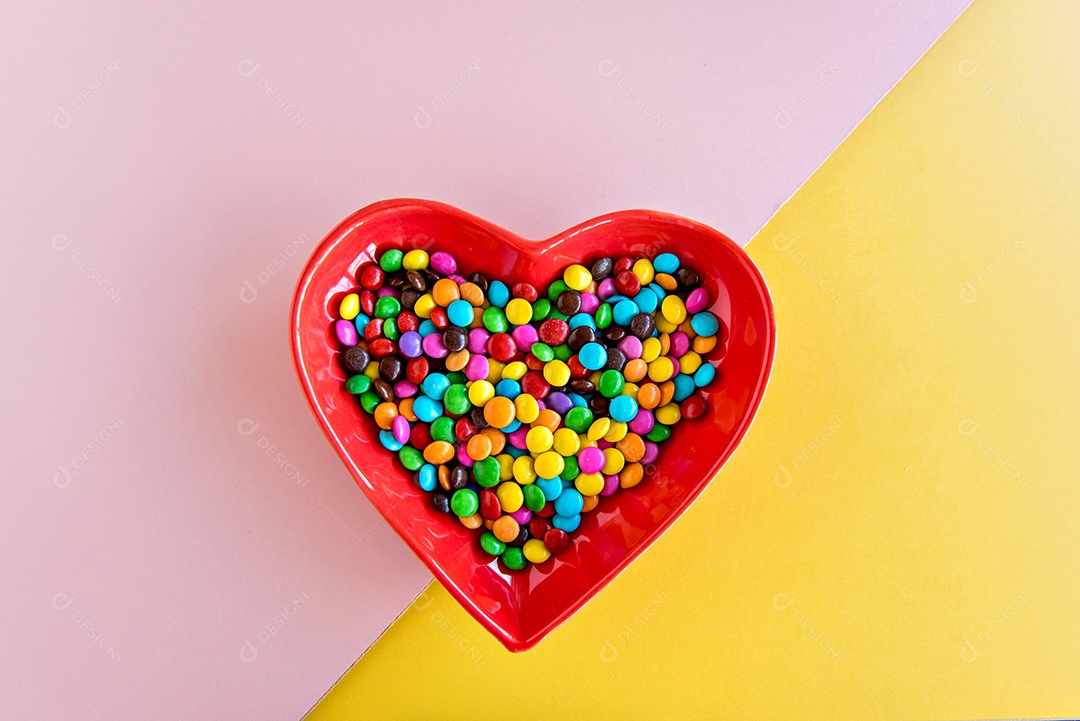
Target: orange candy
<point>497,438</point>
<point>632,447</point>
<point>473,521</point>
<point>648,395</point>
<point>704,343</point>
<point>438,452</point>
<point>667,392</point>
<point>548,419</point>
<point>405,409</point>
<point>589,503</point>
<point>478,447</point>
<point>385,413</point>
<point>444,477</point>
<point>506,529</point>
<point>472,293</point>
<point>631,475</point>
<point>445,292</point>
<point>665,281</point>
<point>635,370</point>
<point>456,361</point>
<point>499,412</point>
<point>665,344</point>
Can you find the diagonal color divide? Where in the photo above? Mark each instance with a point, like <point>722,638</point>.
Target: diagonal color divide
<point>178,539</point>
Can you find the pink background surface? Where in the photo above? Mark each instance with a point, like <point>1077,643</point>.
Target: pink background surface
<point>178,540</point>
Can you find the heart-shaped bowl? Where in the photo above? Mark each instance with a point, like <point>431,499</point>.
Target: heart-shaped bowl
<point>521,607</point>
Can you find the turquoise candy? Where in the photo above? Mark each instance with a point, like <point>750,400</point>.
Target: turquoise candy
<point>427,477</point>
<point>425,408</point>
<point>666,263</point>
<point>593,356</point>
<point>623,408</point>
<point>460,313</point>
<point>705,323</point>
<point>435,385</point>
<point>389,442</point>
<point>498,294</point>
<point>704,375</point>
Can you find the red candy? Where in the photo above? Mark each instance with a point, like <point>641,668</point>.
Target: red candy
<point>524,291</point>
<point>407,321</point>
<point>420,435</point>
<point>627,284</point>
<point>464,429</point>
<point>533,363</point>
<point>416,370</point>
<point>367,302</point>
<point>534,384</point>
<point>692,407</point>
<point>380,348</point>
<point>538,527</point>
<point>547,511</point>
<point>439,318</point>
<point>554,331</point>
<point>556,540</point>
<point>501,347</point>
<point>622,264</point>
<point>372,277</point>
<point>373,329</point>
<point>489,505</point>
<point>576,369</point>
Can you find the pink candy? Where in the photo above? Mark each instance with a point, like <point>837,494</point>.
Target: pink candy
<point>525,336</point>
<point>477,368</point>
<point>611,484</point>
<point>589,303</point>
<point>478,338</point>
<point>606,289</point>
<point>680,344</point>
<point>443,262</point>
<point>642,423</point>
<point>434,347</point>
<point>591,460</point>
<point>696,301</point>
<point>401,429</point>
<point>346,332</point>
<point>404,389</point>
<point>631,347</point>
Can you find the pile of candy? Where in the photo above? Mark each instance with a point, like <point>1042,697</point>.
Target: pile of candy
<point>518,410</point>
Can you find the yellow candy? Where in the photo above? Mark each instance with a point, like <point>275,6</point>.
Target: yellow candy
<point>372,370</point>
<point>523,470</point>
<point>480,392</point>
<point>515,371</point>
<point>350,306</point>
<point>539,439</point>
<point>495,369</point>
<point>664,325</point>
<point>535,551</point>
<point>548,464</point>
<point>589,484</point>
<point>599,429</point>
<point>566,442</point>
<point>689,363</point>
<point>613,464</point>
<point>510,496</point>
<point>506,466</point>
<point>585,442</point>
<point>424,305</point>
<point>557,373</point>
<point>518,311</point>
<point>669,415</point>
<point>673,309</point>
<point>527,408</point>
<point>630,389</point>
<point>577,277</point>
<point>661,369</point>
<point>650,349</point>
<point>617,432</point>
<point>643,269</point>
<point>415,260</point>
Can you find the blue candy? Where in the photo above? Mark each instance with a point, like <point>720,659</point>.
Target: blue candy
<point>460,313</point>
<point>704,375</point>
<point>427,328</point>
<point>646,300</point>
<point>361,322</point>
<point>389,442</point>
<point>624,312</point>
<point>435,385</point>
<point>514,425</point>
<point>508,387</point>
<point>593,356</point>
<point>426,409</point>
<point>550,487</point>
<point>666,263</point>
<point>579,319</point>
<point>684,386</point>
<point>498,294</point>
<point>623,408</point>
<point>569,503</point>
<point>566,523</point>
<point>705,323</point>
<point>426,477</point>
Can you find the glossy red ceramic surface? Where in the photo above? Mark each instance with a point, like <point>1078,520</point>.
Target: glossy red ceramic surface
<point>521,607</point>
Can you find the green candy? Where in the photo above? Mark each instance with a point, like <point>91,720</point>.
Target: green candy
<point>456,377</point>
<point>387,307</point>
<point>611,383</point>
<point>486,472</point>
<point>514,558</point>
<point>369,401</point>
<point>391,260</point>
<point>659,433</point>
<point>557,314</point>
<point>534,497</point>
<point>411,458</point>
<point>442,429</point>
<point>491,544</point>
<point>570,469</point>
<point>578,419</point>
<point>456,400</point>
<point>464,503</point>
<point>555,289</point>
<point>603,316</point>
<point>390,329</point>
<point>541,308</point>
<point>358,384</point>
<point>563,352</point>
<point>495,320</point>
<point>543,352</point>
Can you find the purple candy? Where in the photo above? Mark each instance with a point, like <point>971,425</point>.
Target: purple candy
<point>696,301</point>
<point>346,332</point>
<point>517,438</point>
<point>642,423</point>
<point>590,460</point>
<point>463,457</point>
<point>559,402</point>
<point>522,515</point>
<point>477,368</point>
<point>652,452</point>
<point>443,262</point>
<point>404,389</point>
<point>401,429</point>
<point>434,347</point>
<point>631,347</point>
<point>478,338</point>
<point>680,344</point>
<point>589,303</point>
<point>611,484</point>
<point>606,289</point>
<point>411,344</point>
<point>525,336</point>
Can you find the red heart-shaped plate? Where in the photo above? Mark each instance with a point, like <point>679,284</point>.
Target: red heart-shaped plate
<point>520,608</point>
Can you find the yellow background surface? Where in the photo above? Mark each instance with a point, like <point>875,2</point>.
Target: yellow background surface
<point>898,535</point>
